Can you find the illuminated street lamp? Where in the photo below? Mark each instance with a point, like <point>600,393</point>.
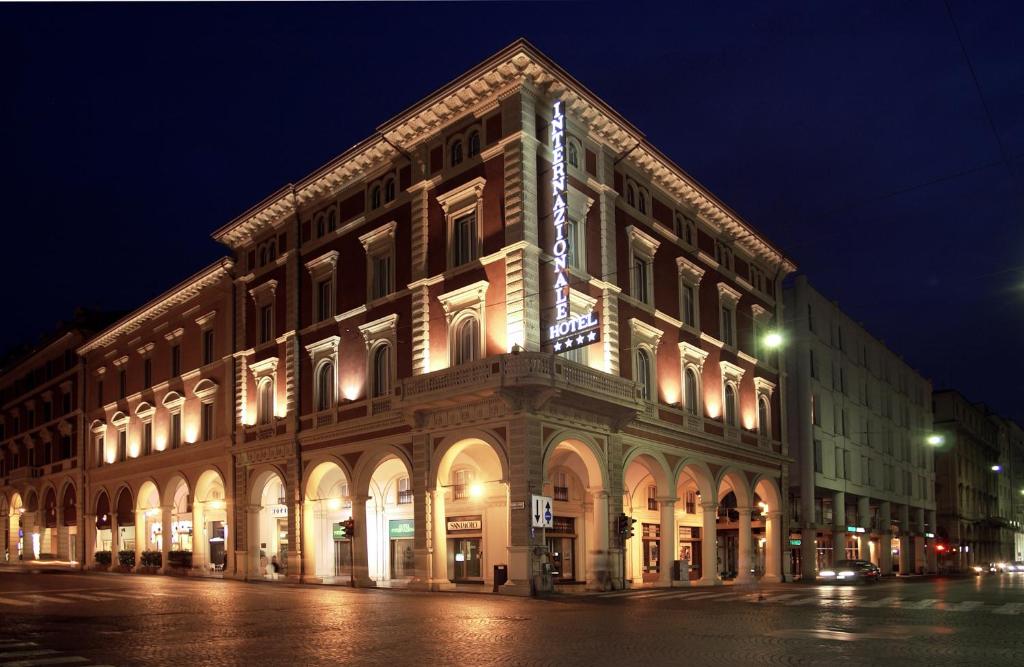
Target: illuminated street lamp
<point>935,440</point>
<point>773,340</point>
<point>997,468</point>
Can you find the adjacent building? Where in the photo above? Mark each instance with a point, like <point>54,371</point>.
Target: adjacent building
<point>978,483</point>
<point>468,350</point>
<point>863,477</point>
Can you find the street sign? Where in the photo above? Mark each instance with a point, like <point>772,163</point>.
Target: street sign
<point>540,512</point>
<point>517,505</point>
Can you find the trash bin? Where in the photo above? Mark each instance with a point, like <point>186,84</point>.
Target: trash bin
<point>500,576</point>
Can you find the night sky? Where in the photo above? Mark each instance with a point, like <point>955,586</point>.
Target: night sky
<point>853,136</point>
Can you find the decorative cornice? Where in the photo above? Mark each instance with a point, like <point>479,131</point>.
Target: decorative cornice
<point>731,371</point>
<point>464,296</point>
<point>689,270</point>
<point>162,304</point>
<point>728,293</point>
<point>763,386</point>
<point>383,234</point>
<point>470,190</point>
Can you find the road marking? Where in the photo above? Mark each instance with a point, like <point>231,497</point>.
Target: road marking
<point>86,596</point>
<point>47,598</point>
<point>970,605</point>
<point>27,654</point>
<point>120,594</point>
<point>921,604</point>
<point>12,601</point>
<point>773,598</point>
<point>1010,608</point>
<point>872,604</point>
<point>39,662</point>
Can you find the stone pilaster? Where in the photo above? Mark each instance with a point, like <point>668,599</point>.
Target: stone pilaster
<point>519,115</point>
<point>610,328</point>
<point>522,298</point>
<point>420,297</point>
<point>607,198</point>
<point>420,220</point>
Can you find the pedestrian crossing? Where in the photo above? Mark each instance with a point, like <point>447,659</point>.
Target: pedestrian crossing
<point>29,599</point>
<point>23,653</point>
<point>813,598</point>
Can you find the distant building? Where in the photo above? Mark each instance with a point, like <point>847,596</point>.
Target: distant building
<point>863,480</point>
<point>978,487</point>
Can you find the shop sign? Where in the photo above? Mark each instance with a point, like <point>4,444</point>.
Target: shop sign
<point>929,535</point>
<point>400,528</point>
<point>338,531</point>
<point>566,331</point>
<point>278,511</point>
<point>854,529</point>
<point>795,542</point>
<point>517,505</point>
<point>464,523</point>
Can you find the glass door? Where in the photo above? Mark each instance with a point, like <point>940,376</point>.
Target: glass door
<point>466,559</point>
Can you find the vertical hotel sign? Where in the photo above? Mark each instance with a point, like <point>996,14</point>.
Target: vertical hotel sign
<point>566,331</point>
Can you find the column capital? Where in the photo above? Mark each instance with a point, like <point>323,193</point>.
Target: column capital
<point>667,500</point>
<point>598,492</point>
<point>709,507</point>
<point>745,511</point>
<point>775,514</point>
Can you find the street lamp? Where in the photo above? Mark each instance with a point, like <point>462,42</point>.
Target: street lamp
<point>935,439</point>
<point>997,468</point>
<point>773,340</point>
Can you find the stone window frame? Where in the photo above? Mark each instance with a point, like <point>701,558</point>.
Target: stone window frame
<point>692,358</point>
<point>320,268</point>
<point>732,375</point>
<point>265,369</point>
<point>579,206</point>
<point>467,301</point>
<point>645,337</point>
<point>98,430</point>
<point>643,246</point>
<point>325,351</point>
<point>764,390</point>
<point>378,243</point>
<point>120,425</point>
<point>691,275</point>
<point>456,203</point>
<point>205,390</point>
<point>380,332</point>
<point>265,294</point>
<point>144,413</point>
<point>728,298</point>
<point>174,403</point>
<point>683,225</point>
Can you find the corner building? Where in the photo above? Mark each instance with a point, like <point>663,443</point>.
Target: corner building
<point>863,481</point>
<point>392,365</point>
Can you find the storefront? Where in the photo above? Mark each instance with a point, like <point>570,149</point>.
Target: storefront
<point>690,549</point>
<point>400,535</point>
<point>651,533</point>
<point>561,542</point>
<point>465,558</point>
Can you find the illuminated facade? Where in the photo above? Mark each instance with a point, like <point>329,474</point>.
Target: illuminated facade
<point>979,483</point>
<point>863,480</point>
<point>384,353</point>
<point>158,430</point>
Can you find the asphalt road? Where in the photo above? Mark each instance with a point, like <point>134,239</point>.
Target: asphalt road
<point>70,619</point>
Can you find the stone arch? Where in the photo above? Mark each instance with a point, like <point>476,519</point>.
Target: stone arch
<point>699,472</point>
<point>656,466</point>
<point>49,506</point>
<point>767,489</point>
<point>69,504</point>
<point>451,446</point>
<point>737,483</point>
<point>124,506</point>
<point>317,469</point>
<point>171,487</point>
<point>588,451</point>
<point>261,476</point>
<point>370,461</point>
<point>31,500</point>
<point>206,480</point>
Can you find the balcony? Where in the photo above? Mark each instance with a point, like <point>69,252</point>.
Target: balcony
<point>528,375</point>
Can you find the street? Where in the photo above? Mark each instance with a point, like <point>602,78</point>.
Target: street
<point>68,619</point>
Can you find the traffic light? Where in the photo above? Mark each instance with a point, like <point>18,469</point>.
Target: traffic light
<point>350,528</point>
<point>625,526</point>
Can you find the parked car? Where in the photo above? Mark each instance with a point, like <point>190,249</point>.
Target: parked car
<point>854,571</point>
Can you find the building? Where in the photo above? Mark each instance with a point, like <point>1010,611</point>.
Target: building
<point>158,402</point>
<point>40,460</point>
<point>452,336</point>
<point>1015,435</point>
<point>977,500</point>
<point>863,477</point>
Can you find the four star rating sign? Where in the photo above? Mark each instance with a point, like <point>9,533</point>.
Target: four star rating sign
<point>571,341</point>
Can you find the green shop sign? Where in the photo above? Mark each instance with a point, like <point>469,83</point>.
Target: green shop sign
<point>338,530</point>
<point>400,528</point>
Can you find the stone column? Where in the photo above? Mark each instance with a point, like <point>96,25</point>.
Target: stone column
<point>743,565</point>
<point>838,526</point>
<point>933,556</point>
<point>165,537</point>
<point>140,536</point>
<point>919,564</point>
<point>252,543</point>
<point>115,539</point>
<point>63,551</point>
<point>87,527</point>
<point>885,538</point>
<point>773,548</point>
<point>439,541</point>
<point>709,546</point>
<point>906,541</point>
<point>599,569</point>
<point>668,544</point>
<point>360,561</point>
<point>864,521</point>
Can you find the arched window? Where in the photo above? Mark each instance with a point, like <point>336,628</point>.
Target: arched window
<point>631,194</point>
<point>389,190</point>
<point>466,340</point>
<point>332,221</point>
<point>455,153</point>
<point>572,154</point>
<point>325,387</point>
<point>730,405</point>
<point>381,370</point>
<point>763,412</point>
<point>265,401</point>
<point>641,201</point>
<point>321,226</point>
<point>473,148</point>
<point>643,373</point>
<point>375,197</point>
<point>690,391</point>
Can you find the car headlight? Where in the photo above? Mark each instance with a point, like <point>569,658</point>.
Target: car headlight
<point>846,573</point>
<point>978,568</point>
<point>828,573</point>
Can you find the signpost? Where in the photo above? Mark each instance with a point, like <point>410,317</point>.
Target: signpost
<point>566,331</point>
<point>540,514</point>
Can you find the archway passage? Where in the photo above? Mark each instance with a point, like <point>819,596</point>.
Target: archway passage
<point>390,529</point>
<point>649,500</point>
<point>734,535</point>
<point>269,536</point>
<point>104,523</point>
<point>124,514</point>
<point>68,529</point>
<point>181,537</point>
<point>696,524</point>
<point>148,523</point>
<point>768,503</point>
<point>48,540</point>
<point>578,541</point>
<point>210,523</point>
<point>328,503</point>
<point>470,514</point>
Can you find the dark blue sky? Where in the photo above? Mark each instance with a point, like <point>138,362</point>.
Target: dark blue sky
<point>131,132</point>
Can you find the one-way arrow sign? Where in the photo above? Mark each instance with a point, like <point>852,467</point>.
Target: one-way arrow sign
<point>541,516</point>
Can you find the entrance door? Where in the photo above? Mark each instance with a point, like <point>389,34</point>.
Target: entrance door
<point>218,555</point>
<point>466,559</point>
<point>728,553</point>
<point>342,557</point>
<point>282,545</point>
<point>562,551</point>
<point>403,561</point>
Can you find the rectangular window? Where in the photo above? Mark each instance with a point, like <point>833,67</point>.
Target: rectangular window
<point>689,306</point>
<point>840,470</point>
<point>817,456</point>
<point>810,318</point>
<point>206,421</point>
<point>175,430</point>
<point>175,360</point>
<point>208,347</point>
<point>122,445</point>
<point>652,498</point>
<point>640,270</point>
<point>147,373</point>
<point>147,438</point>
<point>99,393</point>
<point>815,410</point>
<point>323,300</point>
<point>814,365</point>
<point>381,276</point>
<point>100,453</point>
<point>122,383</point>
<point>404,491</point>
<point>65,402</point>
<point>575,250</point>
<point>728,332</point>
<point>561,486</point>
<point>47,411</point>
<point>464,239</point>
<point>266,313</point>
<point>691,502</point>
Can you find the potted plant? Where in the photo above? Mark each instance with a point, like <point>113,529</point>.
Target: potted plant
<point>126,559</point>
<point>103,560</point>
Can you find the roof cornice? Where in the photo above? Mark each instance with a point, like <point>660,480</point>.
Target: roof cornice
<point>177,295</point>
